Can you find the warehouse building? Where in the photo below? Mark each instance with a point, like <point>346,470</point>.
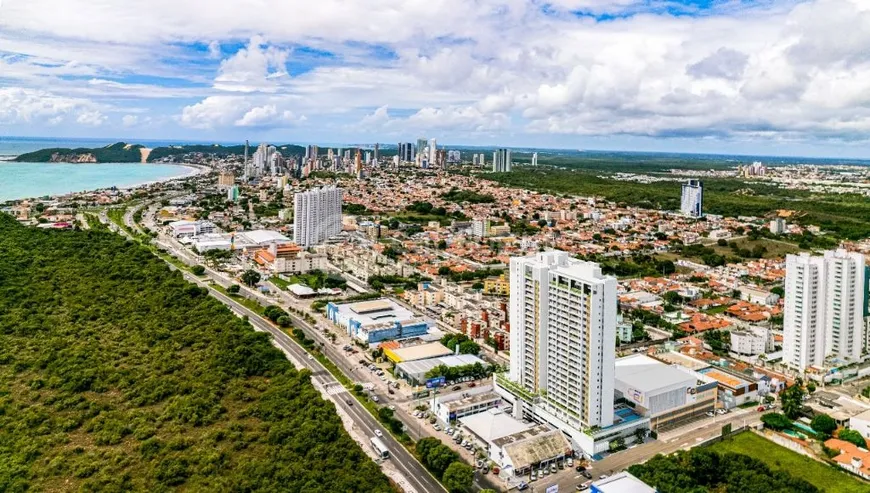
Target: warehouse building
<point>414,371</point>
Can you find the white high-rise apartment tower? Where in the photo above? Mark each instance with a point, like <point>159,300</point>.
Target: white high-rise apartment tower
<point>563,336</point>
<point>535,159</point>
<point>693,198</point>
<point>433,152</point>
<point>317,216</point>
<point>501,161</point>
<point>824,303</point>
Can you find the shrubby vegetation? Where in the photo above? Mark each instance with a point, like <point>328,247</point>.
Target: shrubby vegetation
<point>457,195</point>
<point>117,375</point>
<point>702,469</point>
<point>445,464</point>
<point>466,345</point>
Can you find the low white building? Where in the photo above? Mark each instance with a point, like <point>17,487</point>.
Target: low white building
<point>861,423</point>
<point>752,341</point>
<point>181,229</point>
<point>758,296</point>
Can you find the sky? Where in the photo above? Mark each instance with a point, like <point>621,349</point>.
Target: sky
<point>779,77</point>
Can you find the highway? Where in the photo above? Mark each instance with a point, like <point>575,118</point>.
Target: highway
<point>420,479</point>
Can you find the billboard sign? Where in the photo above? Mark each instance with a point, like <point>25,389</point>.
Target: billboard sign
<point>435,382</point>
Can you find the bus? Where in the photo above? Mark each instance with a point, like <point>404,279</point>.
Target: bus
<point>380,448</point>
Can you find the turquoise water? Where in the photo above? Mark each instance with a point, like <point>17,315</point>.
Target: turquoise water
<point>798,424</point>
<point>27,180</point>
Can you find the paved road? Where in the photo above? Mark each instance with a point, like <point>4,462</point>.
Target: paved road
<point>420,479</point>
<point>681,438</point>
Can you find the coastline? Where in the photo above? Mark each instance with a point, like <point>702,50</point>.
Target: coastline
<point>192,170</point>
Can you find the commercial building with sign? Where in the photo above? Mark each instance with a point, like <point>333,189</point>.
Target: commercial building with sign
<point>665,394</point>
<point>376,321</point>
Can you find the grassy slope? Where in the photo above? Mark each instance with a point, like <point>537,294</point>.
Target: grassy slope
<point>824,477</point>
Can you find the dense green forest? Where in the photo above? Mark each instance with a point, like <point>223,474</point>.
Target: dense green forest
<point>115,153</point>
<point>846,215</point>
<point>701,469</point>
<point>118,375</point>
<point>216,150</point>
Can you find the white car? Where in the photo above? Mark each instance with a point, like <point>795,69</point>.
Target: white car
<point>378,433</point>
<point>709,414</point>
<point>722,411</point>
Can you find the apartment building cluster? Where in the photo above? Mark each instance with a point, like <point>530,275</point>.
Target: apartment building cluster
<point>825,309</point>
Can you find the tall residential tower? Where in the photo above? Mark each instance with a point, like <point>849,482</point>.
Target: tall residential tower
<point>317,216</point>
<point>563,338</point>
<point>692,203</point>
<point>824,308</point>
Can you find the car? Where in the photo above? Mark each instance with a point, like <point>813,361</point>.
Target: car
<point>469,445</point>
<point>587,475</point>
<point>760,408</point>
<point>310,357</point>
<point>543,472</point>
<point>485,470</point>
<point>349,402</point>
<point>709,414</point>
<point>603,476</point>
<point>569,462</point>
<point>457,387</point>
<point>522,486</point>
<point>378,433</point>
<point>770,406</point>
<point>473,384</point>
<point>391,391</point>
<point>437,427</point>
<point>582,487</point>
<point>432,420</point>
<point>561,465</point>
<point>376,398</point>
<point>553,468</point>
<point>449,430</point>
<point>534,476</point>
<point>722,411</point>
<point>392,408</point>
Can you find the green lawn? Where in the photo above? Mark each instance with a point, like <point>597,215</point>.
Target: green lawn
<point>824,477</point>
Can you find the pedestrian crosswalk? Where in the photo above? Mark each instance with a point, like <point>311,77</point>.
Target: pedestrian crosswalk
<point>335,389</point>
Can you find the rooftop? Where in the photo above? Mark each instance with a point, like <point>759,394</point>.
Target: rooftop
<point>493,424</point>
<point>423,366</point>
<point>418,352</point>
<point>536,445</point>
<point>646,374</point>
<point>622,482</point>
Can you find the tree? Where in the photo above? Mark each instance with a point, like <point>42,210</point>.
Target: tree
<point>811,387</point>
<point>792,400</point>
<point>458,477</point>
<point>823,424</point>
<point>443,270</point>
<point>234,289</point>
<point>776,421</point>
<point>251,277</point>
<point>197,270</point>
<point>852,437</point>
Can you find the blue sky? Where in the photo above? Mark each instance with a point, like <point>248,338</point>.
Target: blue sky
<point>771,77</point>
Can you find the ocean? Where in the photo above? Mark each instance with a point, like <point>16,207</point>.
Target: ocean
<point>30,180</point>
